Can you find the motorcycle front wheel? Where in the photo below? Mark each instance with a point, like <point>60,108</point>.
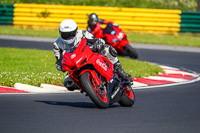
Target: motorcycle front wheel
<point>99,96</point>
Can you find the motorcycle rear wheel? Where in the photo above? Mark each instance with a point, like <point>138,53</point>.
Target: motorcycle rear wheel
<point>128,98</point>
<point>88,83</point>
<point>130,51</point>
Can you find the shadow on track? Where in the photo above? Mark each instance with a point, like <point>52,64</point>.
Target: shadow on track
<point>74,104</point>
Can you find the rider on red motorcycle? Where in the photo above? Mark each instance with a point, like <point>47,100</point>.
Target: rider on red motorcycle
<point>70,38</point>
<point>112,35</point>
<point>94,25</point>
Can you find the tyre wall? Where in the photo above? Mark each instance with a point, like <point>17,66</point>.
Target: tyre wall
<point>190,22</point>
<point>6,14</point>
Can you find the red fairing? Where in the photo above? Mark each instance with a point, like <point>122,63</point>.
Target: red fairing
<point>98,62</point>
<point>82,57</point>
<point>67,64</point>
<point>120,36</point>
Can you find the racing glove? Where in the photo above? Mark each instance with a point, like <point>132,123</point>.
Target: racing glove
<point>99,44</point>
<point>58,67</point>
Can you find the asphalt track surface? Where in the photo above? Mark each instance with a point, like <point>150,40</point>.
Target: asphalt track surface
<point>174,109</point>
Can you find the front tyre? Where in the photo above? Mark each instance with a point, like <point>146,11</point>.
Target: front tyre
<point>98,96</point>
<point>128,98</point>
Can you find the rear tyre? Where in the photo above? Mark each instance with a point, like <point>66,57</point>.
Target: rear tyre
<point>128,98</point>
<point>98,96</point>
<point>130,51</point>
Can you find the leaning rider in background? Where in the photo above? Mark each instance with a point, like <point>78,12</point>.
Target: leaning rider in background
<point>70,38</point>
<point>94,25</point>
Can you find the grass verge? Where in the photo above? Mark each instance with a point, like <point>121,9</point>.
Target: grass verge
<point>33,67</point>
<point>175,40</point>
<point>185,39</point>
<point>10,30</point>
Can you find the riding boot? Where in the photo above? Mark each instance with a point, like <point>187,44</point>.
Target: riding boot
<point>120,71</point>
<point>69,84</point>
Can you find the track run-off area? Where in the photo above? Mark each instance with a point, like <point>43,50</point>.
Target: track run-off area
<point>157,109</point>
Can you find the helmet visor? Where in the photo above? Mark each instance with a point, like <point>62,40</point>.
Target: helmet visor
<point>93,21</point>
<point>66,35</point>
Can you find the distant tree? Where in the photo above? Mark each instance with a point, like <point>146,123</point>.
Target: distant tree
<point>198,5</point>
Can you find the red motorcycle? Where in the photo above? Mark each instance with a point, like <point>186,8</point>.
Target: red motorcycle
<point>94,74</point>
<point>115,37</point>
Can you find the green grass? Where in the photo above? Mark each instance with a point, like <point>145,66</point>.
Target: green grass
<point>28,66</point>
<point>139,69</point>
<point>10,30</point>
<point>191,40</point>
<point>33,67</point>
<point>187,5</point>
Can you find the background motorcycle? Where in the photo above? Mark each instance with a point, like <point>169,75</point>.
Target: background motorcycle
<point>115,37</point>
<point>93,74</point>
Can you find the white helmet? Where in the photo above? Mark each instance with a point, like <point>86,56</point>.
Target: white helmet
<point>67,30</point>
